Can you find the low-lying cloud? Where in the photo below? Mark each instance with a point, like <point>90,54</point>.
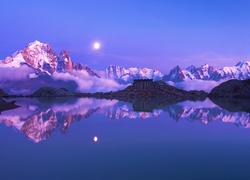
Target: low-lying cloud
<point>15,74</point>
<point>88,83</point>
<point>196,85</point>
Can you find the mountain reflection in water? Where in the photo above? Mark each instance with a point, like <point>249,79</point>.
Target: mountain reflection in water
<point>39,118</point>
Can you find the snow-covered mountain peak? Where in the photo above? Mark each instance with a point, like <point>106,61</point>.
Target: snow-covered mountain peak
<point>64,61</point>
<point>205,72</point>
<point>40,56</point>
<point>43,59</point>
<point>176,69</point>
<point>190,68</point>
<point>205,66</point>
<point>37,55</point>
<point>125,76</point>
<point>243,63</point>
<point>36,43</point>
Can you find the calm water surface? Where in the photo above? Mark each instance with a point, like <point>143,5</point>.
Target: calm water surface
<point>103,139</point>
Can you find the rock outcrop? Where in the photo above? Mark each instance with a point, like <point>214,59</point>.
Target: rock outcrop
<point>4,106</point>
<point>232,88</point>
<point>232,95</point>
<point>151,95</point>
<point>51,92</point>
<point>3,93</point>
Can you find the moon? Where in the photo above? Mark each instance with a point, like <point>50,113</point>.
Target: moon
<point>96,45</point>
<point>95,139</point>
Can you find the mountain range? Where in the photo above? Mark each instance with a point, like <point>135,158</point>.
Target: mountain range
<point>240,71</point>
<point>126,76</point>
<point>43,62</point>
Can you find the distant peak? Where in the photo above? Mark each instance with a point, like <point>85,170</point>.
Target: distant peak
<point>64,52</point>
<point>191,67</point>
<point>205,65</point>
<point>242,63</point>
<point>177,67</point>
<point>114,66</point>
<point>35,43</point>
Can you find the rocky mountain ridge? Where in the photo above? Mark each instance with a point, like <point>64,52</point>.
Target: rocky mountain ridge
<point>125,76</point>
<point>43,59</point>
<point>122,75</point>
<point>240,71</point>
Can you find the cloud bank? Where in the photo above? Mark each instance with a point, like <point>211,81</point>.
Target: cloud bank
<point>196,85</point>
<point>88,83</point>
<point>15,74</point>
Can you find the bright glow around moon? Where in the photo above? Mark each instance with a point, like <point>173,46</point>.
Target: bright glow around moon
<point>95,139</point>
<point>96,45</point>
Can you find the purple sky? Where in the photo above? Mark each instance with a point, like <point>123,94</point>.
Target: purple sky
<point>154,34</point>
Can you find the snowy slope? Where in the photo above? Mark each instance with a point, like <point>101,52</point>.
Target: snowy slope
<point>37,55</point>
<point>240,71</point>
<point>125,76</point>
<point>42,58</point>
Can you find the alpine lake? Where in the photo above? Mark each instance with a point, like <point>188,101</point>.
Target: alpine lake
<point>87,138</point>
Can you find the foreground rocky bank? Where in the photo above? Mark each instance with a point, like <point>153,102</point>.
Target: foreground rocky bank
<point>232,95</point>
<point>232,88</point>
<point>4,105</point>
<point>146,95</point>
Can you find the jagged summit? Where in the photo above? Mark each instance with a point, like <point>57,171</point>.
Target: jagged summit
<point>64,61</point>
<point>36,43</point>
<point>42,58</point>
<point>206,72</point>
<point>125,76</point>
<point>37,55</point>
<point>242,63</point>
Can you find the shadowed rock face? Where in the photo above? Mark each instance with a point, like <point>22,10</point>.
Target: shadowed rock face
<point>2,93</point>
<point>7,105</point>
<point>158,95</point>
<point>232,88</point>
<point>50,92</point>
<point>233,95</point>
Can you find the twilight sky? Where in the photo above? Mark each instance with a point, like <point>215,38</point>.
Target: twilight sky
<point>156,34</point>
